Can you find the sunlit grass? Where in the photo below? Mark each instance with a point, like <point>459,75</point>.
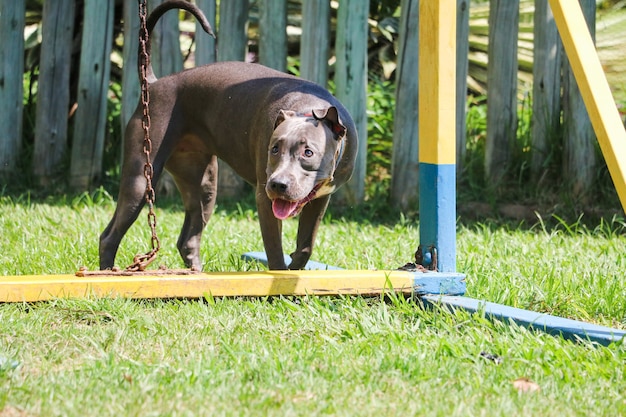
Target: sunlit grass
<point>309,355</point>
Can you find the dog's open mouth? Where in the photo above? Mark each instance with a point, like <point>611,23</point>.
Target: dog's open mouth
<point>284,209</point>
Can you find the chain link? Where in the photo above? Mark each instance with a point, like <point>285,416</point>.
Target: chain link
<point>140,262</point>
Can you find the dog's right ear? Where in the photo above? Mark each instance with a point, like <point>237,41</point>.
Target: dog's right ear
<point>331,117</point>
<point>282,116</point>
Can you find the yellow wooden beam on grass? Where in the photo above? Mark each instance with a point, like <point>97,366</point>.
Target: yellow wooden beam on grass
<point>594,89</point>
<point>29,288</point>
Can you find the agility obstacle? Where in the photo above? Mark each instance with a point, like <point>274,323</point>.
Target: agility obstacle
<point>558,326</point>
<point>437,196</point>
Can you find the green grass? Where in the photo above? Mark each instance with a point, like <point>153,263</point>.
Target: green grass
<point>309,356</point>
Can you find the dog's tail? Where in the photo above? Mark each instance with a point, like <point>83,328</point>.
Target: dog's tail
<point>154,17</point>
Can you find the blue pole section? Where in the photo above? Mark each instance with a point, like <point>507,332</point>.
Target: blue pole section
<point>437,198</point>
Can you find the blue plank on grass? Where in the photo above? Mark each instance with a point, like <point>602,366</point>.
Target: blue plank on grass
<point>311,265</point>
<point>449,283</point>
<point>566,328</point>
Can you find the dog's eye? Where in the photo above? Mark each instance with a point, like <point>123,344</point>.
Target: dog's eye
<point>274,150</point>
<point>308,153</point>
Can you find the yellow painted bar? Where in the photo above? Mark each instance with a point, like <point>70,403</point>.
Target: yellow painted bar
<point>437,82</point>
<point>28,288</point>
<point>594,89</point>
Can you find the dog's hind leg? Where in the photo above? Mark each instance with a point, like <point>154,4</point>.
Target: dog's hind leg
<point>130,201</point>
<point>196,178</point>
<point>129,205</point>
<point>131,196</point>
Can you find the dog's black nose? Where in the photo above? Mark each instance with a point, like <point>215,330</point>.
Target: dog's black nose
<point>278,186</point>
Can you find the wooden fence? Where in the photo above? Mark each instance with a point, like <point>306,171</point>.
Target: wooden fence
<point>553,95</point>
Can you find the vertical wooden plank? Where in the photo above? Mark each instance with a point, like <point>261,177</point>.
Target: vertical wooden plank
<point>53,93</point>
<point>462,65</point>
<point>501,87</point>
<point>405,156</point>
<point>165,42</point>
<point>232,46</point>
<point>166,59</point>
<point>579,155</point>
<point>233,31</point>
<point>130,79</point>
<point>546,87</point>
<point>594,88</point>
<point>314,43</point>
<point>93,85</point>
<point>437,145</point>
<point>12,14</point>
<point>351,85</point>
<point>273,34</point>
<point>205,43</point>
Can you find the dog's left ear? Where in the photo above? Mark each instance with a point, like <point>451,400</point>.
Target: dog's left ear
<point>330,116</point>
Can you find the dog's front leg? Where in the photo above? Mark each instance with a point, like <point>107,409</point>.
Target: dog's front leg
<point>310,219</point>
<point>271,230</point>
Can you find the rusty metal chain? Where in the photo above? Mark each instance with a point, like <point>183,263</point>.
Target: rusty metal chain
<point>140,262</point>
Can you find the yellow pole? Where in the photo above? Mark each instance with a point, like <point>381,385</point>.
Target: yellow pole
<point>594,89</point>
<point>437,82</point>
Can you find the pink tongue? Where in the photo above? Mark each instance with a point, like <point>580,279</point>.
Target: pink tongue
<point>283,209</point>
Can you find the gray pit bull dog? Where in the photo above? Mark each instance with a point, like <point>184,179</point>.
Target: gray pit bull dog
<point>288,137</point>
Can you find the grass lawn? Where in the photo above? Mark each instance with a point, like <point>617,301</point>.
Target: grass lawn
<point>344,356</point>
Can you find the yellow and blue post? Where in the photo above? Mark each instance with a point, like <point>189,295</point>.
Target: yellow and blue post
<point>437,138</point>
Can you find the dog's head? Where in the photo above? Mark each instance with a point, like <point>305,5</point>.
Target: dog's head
<point>303,153</point>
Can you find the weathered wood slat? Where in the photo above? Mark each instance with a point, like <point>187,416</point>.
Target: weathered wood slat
<point>233,31</point>
<point>53,93</point>
<point>462,64</point>
<point>501,88</point>
<point>130,78</point>
<point>546,117</point>
<point>579,155</point>
<point>405,156</point>
<point>165,43</point>
<point>273,34</point>
<point>205,44</point>
<point>351,85</point>
<point>315,43</point>
<point>93,85</point>
<point>232,46</point>
<point>595,90</point>
<point>11,83</point>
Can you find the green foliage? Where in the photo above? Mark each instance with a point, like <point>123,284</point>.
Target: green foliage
<point>472,177</point>
<point>476,134</point>
<point>380,113</point>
